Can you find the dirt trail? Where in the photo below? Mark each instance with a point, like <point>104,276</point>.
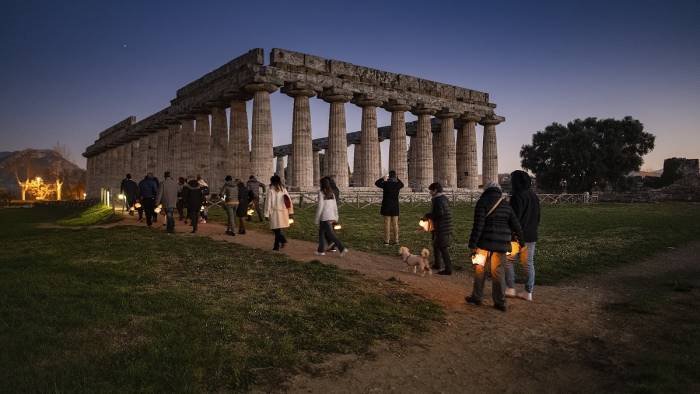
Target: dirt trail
<point>563,341</point>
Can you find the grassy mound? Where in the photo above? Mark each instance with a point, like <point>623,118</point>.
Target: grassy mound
<point>96,214</point>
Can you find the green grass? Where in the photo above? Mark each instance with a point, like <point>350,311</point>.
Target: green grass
<point>574,239</point>
<point>128,309</point>
<point>96,214</point>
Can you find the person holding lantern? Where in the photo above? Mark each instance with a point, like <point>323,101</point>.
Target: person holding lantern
<point>227,193</point>
<point>441,217</point>
<point>279,210</point>
<point>243,210</point>
<point>327,218</point>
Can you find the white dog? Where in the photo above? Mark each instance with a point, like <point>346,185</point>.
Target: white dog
<point>416,261</point>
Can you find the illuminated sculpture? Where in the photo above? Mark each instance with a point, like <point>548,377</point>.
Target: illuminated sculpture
<point>40,190</point>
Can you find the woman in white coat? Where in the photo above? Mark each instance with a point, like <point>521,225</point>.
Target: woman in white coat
<point>326,217</point>
<point>278,209</point>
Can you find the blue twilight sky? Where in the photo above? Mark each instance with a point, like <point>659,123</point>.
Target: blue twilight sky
<point>68,70</point>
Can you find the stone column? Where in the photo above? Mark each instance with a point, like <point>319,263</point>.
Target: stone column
<point>337,150</point>
<point>489,166</point>
<point>279,169</point>
<point>447,158</point>
<point>161,152</point>
<point>201,146</point>
<point>369,139</point>
<point>397,139</point>
<point>261,141</point>
<point>424,148</point>
<point>238,145</point>
<point>302,149</point>
<point>172,163</point>
<point>152,152</point>
<point>411,162</point>
<point>316,157</point>
<point>467,165</point>
<point>141,159</point>
<point>187,146</point>
<point>357,165</point>
<point>436,155</point>
<point>218,148</point>
<point>290,173</point>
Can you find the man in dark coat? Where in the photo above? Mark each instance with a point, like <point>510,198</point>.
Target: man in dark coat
<point>192,198</point>
<point>441,216</point>
<point>391,186</point>
<point>526,207</point>
<point>130,189</point>
<point>494,225</point>
<point>148,189</point>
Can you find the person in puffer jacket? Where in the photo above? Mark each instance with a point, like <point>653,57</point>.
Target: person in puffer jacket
<point>492,233</point>
<point>441,216</point>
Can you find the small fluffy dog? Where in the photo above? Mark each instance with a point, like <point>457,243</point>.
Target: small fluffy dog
<point>417,262</point>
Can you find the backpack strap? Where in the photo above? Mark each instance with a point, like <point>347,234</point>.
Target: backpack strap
<point>493,208</point>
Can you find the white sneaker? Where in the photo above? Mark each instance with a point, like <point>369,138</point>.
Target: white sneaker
<point>344,252</point>
<point>525,296</point>
<point>510,292</point>
<point>317,253</point>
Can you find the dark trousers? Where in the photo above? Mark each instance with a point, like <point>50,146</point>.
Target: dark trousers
<point>193,215</point>
<point>180,209</point>
<point>442,254</point>
<point>495,261</point>
<point>256,206</point>
<point>279,238</point>
<point>170,220</point>
<point>148,205</point>
<point>327,235</point>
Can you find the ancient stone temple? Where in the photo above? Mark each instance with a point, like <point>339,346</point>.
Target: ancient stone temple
<point>192,136</point>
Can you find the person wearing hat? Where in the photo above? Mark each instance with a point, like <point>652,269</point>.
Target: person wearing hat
<point>493,228</point>
<point>441,216</point>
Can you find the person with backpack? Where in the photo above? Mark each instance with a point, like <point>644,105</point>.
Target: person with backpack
<point>326,217</point>
<point>229,194</point>
<point>526,207</point>
<point>391,186</point>
<point>441,217</point>
<point>278,209</point>
<point>130,189</point>
<point>494,225</point>
<point>192,198</point>
<point>148,190</point>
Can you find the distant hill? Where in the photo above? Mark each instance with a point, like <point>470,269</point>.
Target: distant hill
<point>45,163</point>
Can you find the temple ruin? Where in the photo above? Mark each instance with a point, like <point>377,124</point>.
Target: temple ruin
<point>193,136</point>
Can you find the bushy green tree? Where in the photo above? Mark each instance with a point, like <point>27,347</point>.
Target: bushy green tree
<point>586,152</point>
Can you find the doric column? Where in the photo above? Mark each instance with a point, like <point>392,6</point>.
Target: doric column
<point>141,158</point>
<point>152,152</point>
<point>217,150</point>
<point>290,174</point>
<point>490,150</point>
<point>161,151</point>
<point>357,165</point>
<point>397,138</point>
<point>187,146</point>
<point>369,138</point>
<point>201,146</point>
<point>447,158</point>
<point>411,162</point>
<point>437,152</point>
<point>467,164</point>
<point>261,141</point>
<point>424,147</point>
<point>302,149</point>
<point>172,162</point>
<point>337,151</point>
<point>238,155</point>
<point>316,157</point>
<point>279,169</point>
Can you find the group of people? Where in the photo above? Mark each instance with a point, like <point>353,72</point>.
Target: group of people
<point>504,232</point>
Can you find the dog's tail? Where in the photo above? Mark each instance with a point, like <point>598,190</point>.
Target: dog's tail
<point>424,253</point>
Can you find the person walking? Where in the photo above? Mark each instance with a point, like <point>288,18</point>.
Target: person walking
<point>148,190</point>
<point>494,225</point>
<point>326,217</point>
<point>254,186</point>
<point>180,203</point>
<point>279,209</point>
<point>441,216</point>
<point>526,207</point>
<point>130,189</point>
<point>391,186</point>
<point>229,193</point>
<point>204,187</point>
<point>192,198</point>
<point>167,196</point>
<point>243,204</point>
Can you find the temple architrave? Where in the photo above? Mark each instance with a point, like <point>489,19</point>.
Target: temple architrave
<point>193,136</point>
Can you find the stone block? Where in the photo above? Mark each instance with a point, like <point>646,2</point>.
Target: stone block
<point>315,63</point>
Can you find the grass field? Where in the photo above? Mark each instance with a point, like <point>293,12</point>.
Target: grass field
<point>129,309</point>
<point>574,239</point>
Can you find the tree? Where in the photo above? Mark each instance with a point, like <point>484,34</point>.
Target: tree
<point>585,153</point>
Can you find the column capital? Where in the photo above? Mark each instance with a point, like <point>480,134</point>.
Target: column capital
<point>446,113</point>
<point>237,95</point>
<point>366,100</point>
<point>423,109</point>
<point>397,105</point>
<point>295,89</point>
<point>491,120</point>
<point>335,95</point>
<point>470,117</point>
<point>262,86</point>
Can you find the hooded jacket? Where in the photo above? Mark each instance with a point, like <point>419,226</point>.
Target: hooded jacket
<point>493,233</point>
<point>229,191</point>
<point>441,216</point>
<point>525,204</point>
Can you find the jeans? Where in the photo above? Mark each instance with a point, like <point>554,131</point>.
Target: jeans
<point>526,257</point>
<point>170,220</point>
<point>231,213</point>
<point>148,205</point>
<point>194,218</point>
<point>325,232</point>
<point>391,223</point>
<point>442,253</point>
<point>279,238</point>
<point>498,281</point>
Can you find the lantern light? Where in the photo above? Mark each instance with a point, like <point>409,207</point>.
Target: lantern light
<point>250,212</point>
<point>137,205</point>
<point>337,226</point>
<point>158,208</point>
<point>122,196</point>
<point>291,220</point>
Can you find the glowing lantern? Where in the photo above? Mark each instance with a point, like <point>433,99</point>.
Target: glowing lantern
<point>250,212</point>
<point>137,205</point>
<point>122,196</point>
<point>479,258</point>
<point>158,208</point>
<point>291,220</point>
<point>426,225</point>
<point>514,248</point>
<point>337,226</point>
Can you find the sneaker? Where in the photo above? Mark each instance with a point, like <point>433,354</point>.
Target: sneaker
<point>472,300</point>
<point>344,252</point>
<point>525,296</point>
<point>510,292</point>
<point>501,307</point>
<point>317,253</point>
<point>386,243</point>
<point>241,232</point>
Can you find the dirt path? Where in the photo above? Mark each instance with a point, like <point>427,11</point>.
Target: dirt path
<point>563,341</point>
